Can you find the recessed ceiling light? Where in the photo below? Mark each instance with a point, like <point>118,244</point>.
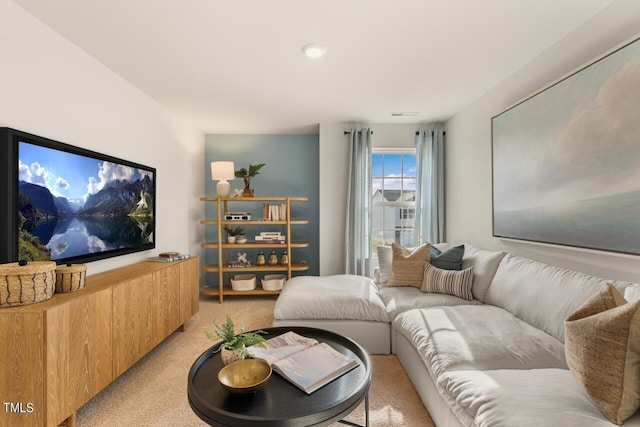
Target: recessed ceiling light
<point>314,50</point>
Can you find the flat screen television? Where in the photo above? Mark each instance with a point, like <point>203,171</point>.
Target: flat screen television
<point>68,204</point>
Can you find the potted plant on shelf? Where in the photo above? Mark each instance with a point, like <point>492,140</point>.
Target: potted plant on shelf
<point>234,347</point>
<point>246,175</point>
<point>234,233</point>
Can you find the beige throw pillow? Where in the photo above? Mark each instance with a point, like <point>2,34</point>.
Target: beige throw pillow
<point>450,282</point>
<point>407,267</point>
<point>602,346</point>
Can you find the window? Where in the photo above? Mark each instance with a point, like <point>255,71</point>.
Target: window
<point>393,196</point>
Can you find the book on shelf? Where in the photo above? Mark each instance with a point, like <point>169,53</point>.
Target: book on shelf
<point>305,362</point>
<point>270,237</point>
<point>274,212</point>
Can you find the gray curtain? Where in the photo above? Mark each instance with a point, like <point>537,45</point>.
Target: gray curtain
<point>429,215</point>
<point>358,226</point>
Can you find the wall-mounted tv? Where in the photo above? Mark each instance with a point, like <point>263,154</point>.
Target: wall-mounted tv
<point>68,204</point>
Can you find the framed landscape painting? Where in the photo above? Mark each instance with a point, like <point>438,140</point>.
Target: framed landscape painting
<point>566,161</point>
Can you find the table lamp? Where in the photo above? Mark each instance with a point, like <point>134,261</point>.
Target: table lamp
<point>222,171</point>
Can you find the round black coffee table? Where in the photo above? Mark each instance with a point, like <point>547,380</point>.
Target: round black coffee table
<point>280,403</point>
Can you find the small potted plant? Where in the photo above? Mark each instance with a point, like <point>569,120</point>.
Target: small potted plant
<point>234,233</point>
<point>246,175</point>
<point>234,347</point>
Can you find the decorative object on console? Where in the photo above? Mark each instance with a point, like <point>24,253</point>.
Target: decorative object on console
<point>246,175</point>
<point>26,283</point>
<point>602,346</point>
<point>70,277</point>
<point>284,258</point>
<point>261,259</point>
<point>237,344</point>
<point>222,171</point>
<point>565,160</point>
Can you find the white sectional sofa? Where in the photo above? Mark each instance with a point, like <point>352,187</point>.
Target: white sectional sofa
<point>498,360</point>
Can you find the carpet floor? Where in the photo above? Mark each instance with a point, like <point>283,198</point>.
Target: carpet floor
<point>153,392</point>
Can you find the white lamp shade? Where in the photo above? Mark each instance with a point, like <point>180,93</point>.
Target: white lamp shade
<point>222,170</point>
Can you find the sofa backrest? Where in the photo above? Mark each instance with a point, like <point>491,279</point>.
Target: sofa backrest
<point>484,263</point>
<point>541,294</point>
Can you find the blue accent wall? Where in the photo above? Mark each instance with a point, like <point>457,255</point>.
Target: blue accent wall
<point>292,169</point>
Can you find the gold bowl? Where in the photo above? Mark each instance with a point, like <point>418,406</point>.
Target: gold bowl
<point>244,376</point>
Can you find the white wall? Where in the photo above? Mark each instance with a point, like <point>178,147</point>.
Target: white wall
<point>468,146</point>
<point>49,87</point>
<point>334,174</point>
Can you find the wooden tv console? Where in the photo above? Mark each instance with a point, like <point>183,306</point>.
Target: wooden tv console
<point>58,354</point>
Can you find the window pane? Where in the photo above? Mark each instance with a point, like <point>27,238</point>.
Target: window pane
<point>376,189</point>
<point>409,184</point>
<point>392,164</point>
<point>408,196</point>
<point>409,165</point>
<point>377,239</point>
<point>389,236</point>
<point>376,165</point>
<point>405,238</point>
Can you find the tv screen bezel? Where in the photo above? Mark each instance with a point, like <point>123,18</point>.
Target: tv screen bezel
<point>9,152</point>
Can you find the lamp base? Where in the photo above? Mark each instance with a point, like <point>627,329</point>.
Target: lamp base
<point>223,188</point>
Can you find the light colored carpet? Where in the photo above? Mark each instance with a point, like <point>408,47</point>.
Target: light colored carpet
<point>153,392</point>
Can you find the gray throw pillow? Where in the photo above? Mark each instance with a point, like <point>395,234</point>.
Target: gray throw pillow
<point>450,259</point>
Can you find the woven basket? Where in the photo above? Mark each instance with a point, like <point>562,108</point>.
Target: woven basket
<point>26,284</point>
<point>70,277</point>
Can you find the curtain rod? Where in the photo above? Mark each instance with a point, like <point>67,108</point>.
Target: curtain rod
<point>348,132</point>
<point>418,133</point>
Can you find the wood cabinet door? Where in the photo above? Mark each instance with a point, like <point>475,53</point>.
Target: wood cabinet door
<point>166,285</point>
<point>22,362</point>
<point>78,353</point>
<point>133,322</point>
<point>189,289</point>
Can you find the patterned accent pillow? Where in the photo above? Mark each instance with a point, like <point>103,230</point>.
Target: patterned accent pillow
<point>407,267</point>
<point>450,282</point>
<point>602,348</point>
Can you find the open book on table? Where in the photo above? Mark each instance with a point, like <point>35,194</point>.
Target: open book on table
<point>304,361</point>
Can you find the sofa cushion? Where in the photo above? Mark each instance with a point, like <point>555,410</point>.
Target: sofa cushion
<point>401,299</point>
<point>450,282</point>
<point>342,296</point>
<point>519,398</point>
<point>451,259</point>
<point>407,266</point>
<point>603,352</point>
<point>485,264</point>
<point>481,337</point>
<point>632,292</point>
<point>541,294</point>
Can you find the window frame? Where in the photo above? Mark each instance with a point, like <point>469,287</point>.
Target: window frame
<point>402,206</point>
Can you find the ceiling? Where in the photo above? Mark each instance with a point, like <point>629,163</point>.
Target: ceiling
<point>236,66</point>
